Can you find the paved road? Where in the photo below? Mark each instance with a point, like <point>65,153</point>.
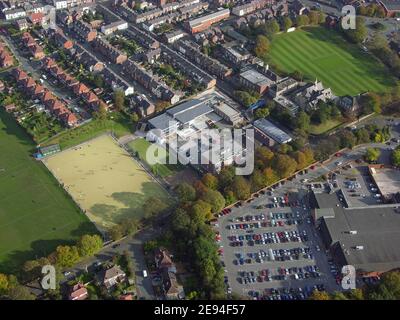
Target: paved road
<point>134,246</point>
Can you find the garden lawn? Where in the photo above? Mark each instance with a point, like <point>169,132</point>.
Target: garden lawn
<point>324,127</point>
<point>36,214</point>
<point>323,54</point>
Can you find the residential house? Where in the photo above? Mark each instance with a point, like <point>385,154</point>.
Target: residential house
<point>78,292</point>
<point>350,105</point>
<point>37,18</point>
<point>111,276</point>
<point>80,89</point>
<point>141,105</point>
<point>84,31</point>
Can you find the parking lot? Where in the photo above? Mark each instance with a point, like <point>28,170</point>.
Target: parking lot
<point>271,250</point>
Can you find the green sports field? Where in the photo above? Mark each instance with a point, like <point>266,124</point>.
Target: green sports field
<point>35,213</point>
<point>320,53</point>
<point>141,145</point>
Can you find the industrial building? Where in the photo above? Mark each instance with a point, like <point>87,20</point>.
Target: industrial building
<point>365,237</point>
<point>269,134</point>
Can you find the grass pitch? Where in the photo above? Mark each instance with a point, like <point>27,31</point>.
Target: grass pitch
<point>323,54</point>
<point>141,145</point>
<point>36,215</point>
<point>104,179</point>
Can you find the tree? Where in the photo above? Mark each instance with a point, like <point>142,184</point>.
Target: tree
<point>229,197</point>
<point>89,245</point>
<point>284,165</point>
<point>257,181</point>
<point>215,199</point>
<point>338,296</point>
<point>270,176</point>
<point>387,289</point>
<point>313,17</point>
<point>98,81</point>
<point>210,181</point>
<point>319,295</point>
<point>301,160</point>
<point>201,211</point>
<point>119,100</point>
<point>303,121</point>
<point>396,157</point>
<point>355,294</point>
<point>67,256</point>
<point>185,192</point>
<point>286,23</point>
<point>370,103</point>
<point>241,188</point>
<point>129,225</point>
<point>134,117</point>
<point>262,46</point>
<point>358,34</point>
<point>302,20</point>
<point>347,139</point>
<point>116,232</point>
<point>225,177</point>
<point>161,105</point>
<point>271,27</point>
<point>153,206</point>
<point>261,113</point>
<point>101,113</point>
<point>246,98</point>
<point>265,155</point>
<point>20,292</point>
<point>3,283</point>
<point>372,155</point>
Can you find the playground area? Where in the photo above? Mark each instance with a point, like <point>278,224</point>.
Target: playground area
<point>105,181</point>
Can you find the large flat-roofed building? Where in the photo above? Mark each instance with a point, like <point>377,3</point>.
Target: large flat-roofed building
<point>270,134</point>
<point>204,22</point>
<point>365,237</point>
<point>255,81</point>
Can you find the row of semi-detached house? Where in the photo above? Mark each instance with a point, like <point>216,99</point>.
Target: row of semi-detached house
<point>6,59</point>
<point>151,82</point>
<point>57,108</point>
<point>30,43</point>
<point>78,88</point>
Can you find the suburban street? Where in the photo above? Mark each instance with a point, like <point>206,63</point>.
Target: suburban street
<point>134,246</point>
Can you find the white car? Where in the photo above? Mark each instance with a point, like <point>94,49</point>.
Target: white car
<point>317,248</point>
<point>144,274</point>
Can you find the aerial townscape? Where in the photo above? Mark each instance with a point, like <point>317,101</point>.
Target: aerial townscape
<point>199,150</point>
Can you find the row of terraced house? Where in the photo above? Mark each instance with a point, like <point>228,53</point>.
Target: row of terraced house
<point>55,106</point>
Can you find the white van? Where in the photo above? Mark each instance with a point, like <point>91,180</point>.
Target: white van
<point>144,273</point>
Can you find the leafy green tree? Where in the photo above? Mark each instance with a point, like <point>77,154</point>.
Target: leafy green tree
<point>257,181</point>
<point>261,113</point>
<point>210,181</point>
<point>270,176</point>
<point>284,165</point>
<point>271,27</point>
<point>319,295</point>
<point>303,121</point>
<point>89,245</point>
<point>201,211</point>
<point>262,46</point>
<point>67,256</point>
<point>215,199</point>
<point>116,232</point>
<point>185,192</point>
<point>119,100</point>
<point>4,285</point>
<point>135,117</point>
<point>358,34</point>
<point>154,206</point>
<point>225,177</point>
<point>396,157</point>
<point>286,23</point>
<point>302,20</point>
<point>372,155</point>
<point>241,188</point>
